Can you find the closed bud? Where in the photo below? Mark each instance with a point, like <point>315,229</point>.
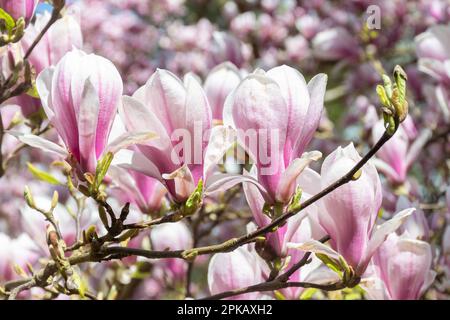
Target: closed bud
<point>29,197</point>
<point>54,199</point>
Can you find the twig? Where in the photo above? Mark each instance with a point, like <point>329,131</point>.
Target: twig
<point>276,285</point>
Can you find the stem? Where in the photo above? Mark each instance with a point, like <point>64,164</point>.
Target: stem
<point>276,285</point>
<point>54,17</point>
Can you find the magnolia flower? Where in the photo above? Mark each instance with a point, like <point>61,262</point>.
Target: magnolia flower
<point>234,270</point>
<point>433,51</point>
<point>335,44</point>
<point>20,8</point>
<point>397,155</point>
<point>172,236</point>
<point>401,270</point>
<point>19,251</point>
<point>226,47</point>
<point>416,225</point>
<point>62,37</point>
<point>275,115</point>
<point>186,148</point>
<point>220,82</point>
<point>348,214</point>
<point>80,97</point>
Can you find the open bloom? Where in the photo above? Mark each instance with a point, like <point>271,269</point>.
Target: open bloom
<point>220,82</point>
<point>275,115</point>
<point>172,236</point>
<point>398,154</point>
<point>80,97</point>
<point>335,44</point>
<point>180,115</point>
<point>20,251</point>
<point>20,8</point>
<point>234,270</point>
<point>349,212</point>
<point>433,51</point>
<point>401,269</point>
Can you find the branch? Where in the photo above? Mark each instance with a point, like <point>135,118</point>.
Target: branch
<point>276,285</point>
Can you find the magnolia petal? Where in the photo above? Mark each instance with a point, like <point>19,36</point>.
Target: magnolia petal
<point>255,201</point>
<point>44,88</point>
<point>295,92</point>
<point>129,159</point>
<point>138,118</point>
<point>374,288</point>
<point>379,234</point>
<point>166,98</point>
<point>87,122</point>
<point>286,187</point>
<point>309,181</point>
<point>431,67</point>
<point>224,181</point>
<point>222,80</point>
<point>416,147</point>
<point>316,87</point>
<point>315,246</point>
<point>123,180</point>
<point>221,140</point>
<point>429,279</point>
<point>385,168</point>
<point>441,97</point>
<point>41,143</point>
<point>128,139</point>
<point>184,182</point>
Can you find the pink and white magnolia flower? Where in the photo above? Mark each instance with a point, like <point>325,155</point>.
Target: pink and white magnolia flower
<point>20,8</point>
<point>416,225</point>
<point>179,113</point>
<point>233,270</point>
<point>348,214</point>
<point>433,51</point>
<point>398,154</point>
<point>275,115</point>
<point>80,97</point>
<point>400,270</point>
<point>172,236</point>
<point>63,36</point>
<point>19,251</point>
<point>220,82</point>
<point>335,44</point>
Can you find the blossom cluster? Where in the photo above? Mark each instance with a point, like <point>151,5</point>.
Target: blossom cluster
<point>185,149</point>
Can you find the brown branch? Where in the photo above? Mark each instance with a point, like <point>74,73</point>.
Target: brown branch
<point>276,285</point>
